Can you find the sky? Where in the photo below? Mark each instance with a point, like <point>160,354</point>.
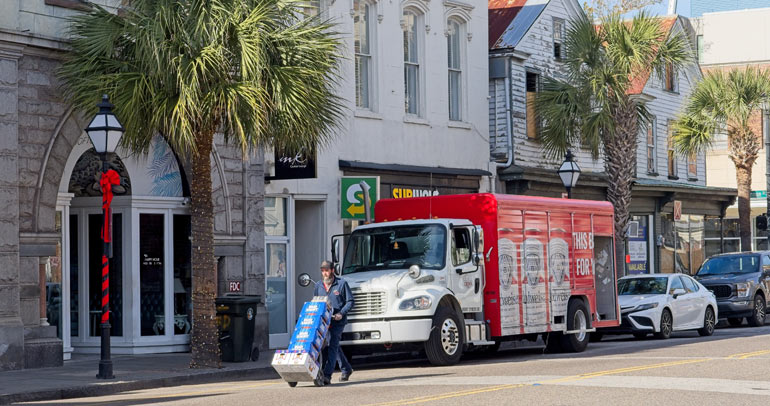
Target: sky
<point>682,7</point>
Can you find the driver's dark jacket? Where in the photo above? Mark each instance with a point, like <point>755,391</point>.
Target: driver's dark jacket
<point>340,297</point>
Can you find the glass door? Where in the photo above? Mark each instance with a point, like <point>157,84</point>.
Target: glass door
<point>278,295</point>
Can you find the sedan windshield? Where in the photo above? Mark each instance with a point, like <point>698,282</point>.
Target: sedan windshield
<point>730,264</point>
<point>642,286</point>
<point>395,248</point>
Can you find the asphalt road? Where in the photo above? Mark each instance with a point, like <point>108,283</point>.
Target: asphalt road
<point>731,367</point>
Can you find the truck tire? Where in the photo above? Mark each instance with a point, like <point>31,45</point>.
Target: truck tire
<point>552,342</point>
<point>757,318</point>
<point>577,319</point>
<point>447,338</point>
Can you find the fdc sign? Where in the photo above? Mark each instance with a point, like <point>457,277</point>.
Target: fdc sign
<point>353,196</point>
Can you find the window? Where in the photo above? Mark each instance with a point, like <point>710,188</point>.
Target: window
<point>699,45</point>
<point>558,38</point>
<point>533,84</point>
<point>454,63</point>
<point>362,29</point>
<point>651,136</point>
<point>676,283</point>
<point>310,8</point>
<point>672,172</point>
<point>411,64</point>
<point>692,166</point>
<point>461,246</point>
<point>670,79</point>
<point>689,286</point>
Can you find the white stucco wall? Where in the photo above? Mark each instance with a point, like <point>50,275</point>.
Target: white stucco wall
<point>385,135</point>
<point>735,37</point>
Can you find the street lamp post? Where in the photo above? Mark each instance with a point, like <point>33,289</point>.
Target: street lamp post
<point>105,131</point>
<point>569,171</point>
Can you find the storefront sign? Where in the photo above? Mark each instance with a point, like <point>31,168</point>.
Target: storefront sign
<point>352,196</point>
<point>234,286</point>
<point>637,252</point>
<point>300,165</point>
<point>401,192</point>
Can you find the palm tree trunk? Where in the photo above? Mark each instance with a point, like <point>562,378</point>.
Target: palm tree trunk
<point>204,340</point>
<point>743,175</point>
<point>620,164</point>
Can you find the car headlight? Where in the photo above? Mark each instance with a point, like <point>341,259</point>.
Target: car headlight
<point>646,306</point>
<point>415,303</point>
<point>742,289</point>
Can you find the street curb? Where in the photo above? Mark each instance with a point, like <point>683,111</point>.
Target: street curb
<point>105,388</point>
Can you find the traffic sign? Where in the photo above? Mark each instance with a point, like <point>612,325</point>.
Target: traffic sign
<point>677,210</point>
<point>352,196</point>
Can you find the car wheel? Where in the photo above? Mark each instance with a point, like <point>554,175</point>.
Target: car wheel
<point>758,314</point>
<point>446,341</point>
<point>640,336</point>
<point>709,321</point>
<point>577,319</point>
<point>735,321</point>
<point>666,325</point>
<point>292,384</point>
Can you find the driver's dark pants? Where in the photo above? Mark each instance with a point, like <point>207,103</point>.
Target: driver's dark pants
<point>331,350</point>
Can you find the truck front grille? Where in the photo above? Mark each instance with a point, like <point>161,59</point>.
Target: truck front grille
<point>720,291</point>
<point>368,303</point>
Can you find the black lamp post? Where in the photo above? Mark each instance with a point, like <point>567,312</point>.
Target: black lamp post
<point>569,171</point>
<point>105,131</point>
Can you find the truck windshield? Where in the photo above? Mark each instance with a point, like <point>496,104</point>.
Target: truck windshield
<point>642,286</point>
<point>395,248</point>
<point>730,264</point>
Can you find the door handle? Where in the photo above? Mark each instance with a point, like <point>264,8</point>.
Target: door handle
<point>459,271</point>
<point>477,285</point>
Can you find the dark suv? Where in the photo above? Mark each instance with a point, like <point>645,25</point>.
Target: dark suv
<point>741,283</point>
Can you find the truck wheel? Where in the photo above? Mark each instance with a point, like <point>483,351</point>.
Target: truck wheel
<point>552,342</point>
<point>577,319</point>
<point>757,318</point>
<point>446,340</point>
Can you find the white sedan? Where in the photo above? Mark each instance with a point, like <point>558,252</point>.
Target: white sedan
<point>664,303</point>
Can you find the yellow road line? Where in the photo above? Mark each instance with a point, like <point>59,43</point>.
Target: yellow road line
<point>447,395</point>
<point>745,355</point>
<point>220,390</point>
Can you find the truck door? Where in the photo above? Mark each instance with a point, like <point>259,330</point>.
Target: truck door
<point>464,275</point>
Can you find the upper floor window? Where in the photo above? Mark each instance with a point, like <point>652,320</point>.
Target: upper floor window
<point>670,79</point>
<point>692,167</point>
<point>699,47</point>
<point>362,33</point>
<point>672,170</point>
<point>558,38</point>
<point>651,150</point>
<point>533,85</point>
<point>310,8</point>
<point>454,63</point>
<point>412,56</point>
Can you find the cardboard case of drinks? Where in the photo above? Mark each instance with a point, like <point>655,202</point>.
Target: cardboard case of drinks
<point>301,361</point>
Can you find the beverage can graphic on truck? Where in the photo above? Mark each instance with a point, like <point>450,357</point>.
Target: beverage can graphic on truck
<point>534,293</point>
<point>510,319</point>
<point>558,270</point>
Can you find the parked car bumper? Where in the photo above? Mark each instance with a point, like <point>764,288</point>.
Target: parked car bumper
<point>637,322</point>
<point>735,307</point>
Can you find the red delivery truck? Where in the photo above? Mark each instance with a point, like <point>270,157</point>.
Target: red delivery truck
<point>451,272</point>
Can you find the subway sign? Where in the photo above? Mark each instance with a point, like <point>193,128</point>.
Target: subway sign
<point>400,192</point>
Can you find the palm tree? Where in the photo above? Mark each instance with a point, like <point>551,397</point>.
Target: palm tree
<point>254,70</point>
<point>727,100</point>
<point>591,107</point>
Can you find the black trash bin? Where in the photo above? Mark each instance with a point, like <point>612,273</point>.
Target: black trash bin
<point>235,316</point>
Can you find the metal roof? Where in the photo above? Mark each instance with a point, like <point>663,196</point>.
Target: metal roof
<point>509,20</point>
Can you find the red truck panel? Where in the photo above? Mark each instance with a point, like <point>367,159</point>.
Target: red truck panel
<point>542,252</point>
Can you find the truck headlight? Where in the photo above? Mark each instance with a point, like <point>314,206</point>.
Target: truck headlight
<point>742,289</point>
<point>646,306</point>
<point>415,303</point>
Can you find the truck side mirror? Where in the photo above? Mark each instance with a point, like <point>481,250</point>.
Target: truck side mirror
<point>478,239</point>
<point>304,280</point>
<point>335,251</point>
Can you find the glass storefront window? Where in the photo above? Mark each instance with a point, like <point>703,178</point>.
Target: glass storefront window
<point>151,271</point>
<point>697,251</point>
<point>275,216</point>
<point>666,251</point>
<point>712,227</point>
<point>74,276</point>
<point>683,245</point>
<point>182,274</point>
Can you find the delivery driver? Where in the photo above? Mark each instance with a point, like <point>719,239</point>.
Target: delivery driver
<point>341,299</point>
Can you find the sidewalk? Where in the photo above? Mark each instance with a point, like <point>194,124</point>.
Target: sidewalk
<point>77,378</point>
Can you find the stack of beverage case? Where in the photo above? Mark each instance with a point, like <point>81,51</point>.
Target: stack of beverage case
<point>300,362</point>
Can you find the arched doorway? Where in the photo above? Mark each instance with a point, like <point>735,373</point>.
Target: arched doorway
<point>150,270</point>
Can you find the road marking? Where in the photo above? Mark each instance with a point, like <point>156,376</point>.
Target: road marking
<point>429,398</point>
<point>627,369</point>
<point>745,355</point>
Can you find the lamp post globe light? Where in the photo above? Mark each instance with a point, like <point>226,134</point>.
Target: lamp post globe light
<point>569,171</point>
<point>105,131</point>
